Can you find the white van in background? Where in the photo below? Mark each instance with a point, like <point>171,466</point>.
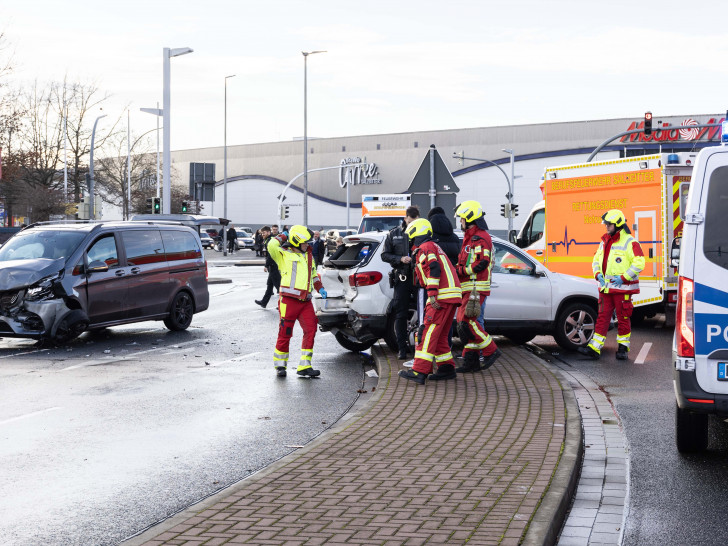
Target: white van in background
<point>700,346</point>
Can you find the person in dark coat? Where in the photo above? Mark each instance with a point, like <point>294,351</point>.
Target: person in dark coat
<point>258,243</point>
<point>232,237</point>
<point>443,234</point>
<point>318,245</point>
<point>274,276</point>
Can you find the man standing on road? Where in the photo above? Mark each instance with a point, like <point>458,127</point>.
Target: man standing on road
<point>396,252</point>
<point>318,246</point>
<point>474,265</point>
<point>232,237</point>
<point>437,276</point>
<point>299,279</point>
<point>616,265</point>
<point>274,276</point>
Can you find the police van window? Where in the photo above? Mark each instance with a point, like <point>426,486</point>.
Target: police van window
<point>143,247</point>
<point>684,190</point>
<point>715,242</point>
<point>536,231</point>
<point>180,245</point>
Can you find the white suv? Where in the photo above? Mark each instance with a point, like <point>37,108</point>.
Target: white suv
<point>526,298</point>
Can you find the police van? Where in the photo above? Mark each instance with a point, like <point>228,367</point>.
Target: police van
<point>700,344</point>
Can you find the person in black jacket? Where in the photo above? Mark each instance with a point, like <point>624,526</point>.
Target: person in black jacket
<point>396,252</point>
<point>318,245</point>
<point>443,234</point>
<point>274,276</point>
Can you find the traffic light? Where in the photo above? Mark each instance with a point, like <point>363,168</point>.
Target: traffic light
<point>505,210</point>
<point>150,206</point>
<point>156,205</point>
<point>185,206</point>
<point>285,209</point>
<point>514,211</point>
<point>648,123</point>
<point>460,156</point>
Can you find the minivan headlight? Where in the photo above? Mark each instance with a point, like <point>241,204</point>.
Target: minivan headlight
<point>41,290</point>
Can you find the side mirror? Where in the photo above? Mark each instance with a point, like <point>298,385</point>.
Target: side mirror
<point>97,266</point>
<point>675,252</point>
<point>512,236</point>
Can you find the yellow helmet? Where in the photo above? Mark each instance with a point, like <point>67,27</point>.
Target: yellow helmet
<point>298,235</point>
<point>418,227</point>
<point>470,211</point>
<point>615,217</point>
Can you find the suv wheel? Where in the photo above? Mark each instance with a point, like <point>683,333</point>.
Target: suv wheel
<point>180,315</point>
<point>575,325</point>
<point>691,430</point>
<point>354,346</point>
<point>390,338</point>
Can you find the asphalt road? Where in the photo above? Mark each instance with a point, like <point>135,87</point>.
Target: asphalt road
<point>674,499</point>
<point>115,431</point>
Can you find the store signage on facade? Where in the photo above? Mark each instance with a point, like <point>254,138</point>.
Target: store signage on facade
<point>353,170</point>
<point>684,132</point>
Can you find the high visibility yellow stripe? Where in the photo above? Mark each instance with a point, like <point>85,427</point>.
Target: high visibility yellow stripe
<point>448,271</point>
<point>443,357</point>
<point>428,336</point>
<point>424,356</point>
<point>282,308</point>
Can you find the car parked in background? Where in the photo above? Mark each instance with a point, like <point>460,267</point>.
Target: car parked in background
<point>526,298</point>
<point>58,280</point>
<point>245,241</point>
<point>332,235</point>
<point>206,240</point>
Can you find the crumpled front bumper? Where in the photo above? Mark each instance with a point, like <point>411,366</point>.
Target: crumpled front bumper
<point>34,319</point>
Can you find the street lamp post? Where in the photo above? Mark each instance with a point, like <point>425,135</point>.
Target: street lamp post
<point>224,172</point>
<point>305,133</point>
<point>159,113</point>
<point>511,190</point>
<point>510,180</point>
<point>92,204</point>
<point>167,54</point>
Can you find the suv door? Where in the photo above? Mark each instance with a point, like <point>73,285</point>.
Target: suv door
<point>516,294</point>
<point>147,271</point>
<point>105,291</point>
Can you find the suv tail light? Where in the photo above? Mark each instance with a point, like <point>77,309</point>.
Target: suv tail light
<point>365,279</point>
<point>685,326</point>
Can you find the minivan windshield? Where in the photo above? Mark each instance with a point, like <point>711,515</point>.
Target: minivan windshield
<point>380,223</point>
<point>715,243</point>
<point>41,243</point>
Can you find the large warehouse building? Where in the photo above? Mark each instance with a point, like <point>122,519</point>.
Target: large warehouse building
<point>376,164</point>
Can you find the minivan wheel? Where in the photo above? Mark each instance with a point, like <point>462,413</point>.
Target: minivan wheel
<point>691,430</point>
<point>180,315</point>
<point>71,326</point>
<point>575,325</point>
<point>354,346</point>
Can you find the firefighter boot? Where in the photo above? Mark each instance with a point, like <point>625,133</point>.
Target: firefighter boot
<point>622,351</point>
<point>308,372</point>
<point>490,359</point>
<point>443,373</point>
<point>471,363</point>
<point>412,375</point>
<point>589,351</point>
<point>281,371</point>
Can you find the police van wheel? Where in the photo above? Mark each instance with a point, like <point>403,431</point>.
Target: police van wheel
<point>691,430</point>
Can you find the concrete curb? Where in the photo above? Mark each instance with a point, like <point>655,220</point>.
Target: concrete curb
<point>358,409</point>
<point>214,280</point>
<point>550,517</point>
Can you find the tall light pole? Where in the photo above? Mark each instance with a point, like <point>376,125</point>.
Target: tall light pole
<point>159,113</point>
<point>305,133</point>
<point>511,190</point>
<point>224,172</point>
<point>92,195</point>
<point>167,54</point>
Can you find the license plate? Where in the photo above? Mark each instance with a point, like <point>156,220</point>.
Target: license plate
<point>722,371</point>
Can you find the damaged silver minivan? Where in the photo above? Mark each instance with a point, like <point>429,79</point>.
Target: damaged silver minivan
<point>58,280</point>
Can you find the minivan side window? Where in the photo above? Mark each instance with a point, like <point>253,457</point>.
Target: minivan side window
<point>104,250</point>
<point>143,247</point>
<point>715,240</point>
<point>180,245</point>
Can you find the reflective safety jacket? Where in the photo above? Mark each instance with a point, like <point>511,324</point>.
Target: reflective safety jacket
<point>436,274</point>
<point>298,270</point>
<point>474,260</point>
<point>619,254</point>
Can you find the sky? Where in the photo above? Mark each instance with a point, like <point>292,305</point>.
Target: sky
<point>391,66</point>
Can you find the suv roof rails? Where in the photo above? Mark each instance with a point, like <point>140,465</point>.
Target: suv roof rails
<point>152,222</point>
<point>56,222</point>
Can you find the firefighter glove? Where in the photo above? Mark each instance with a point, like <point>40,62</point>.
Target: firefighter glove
<point>600,278</point>
<point>323,293</point>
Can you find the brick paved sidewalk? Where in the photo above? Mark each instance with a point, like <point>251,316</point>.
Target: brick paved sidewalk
<point>448,462</point>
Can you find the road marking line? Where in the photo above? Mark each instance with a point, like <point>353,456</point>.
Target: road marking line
<point>25,353</point>
<point>643,353</point>
<point>132,356</point>
<point>32,414</point>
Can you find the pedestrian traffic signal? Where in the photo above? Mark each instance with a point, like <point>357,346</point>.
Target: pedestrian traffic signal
<point>157,205</point>
<point>150,206</point>
<point>185,206</point>
<point>648,123</point>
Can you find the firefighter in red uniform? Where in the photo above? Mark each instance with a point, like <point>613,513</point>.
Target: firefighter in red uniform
<point>437,276</point>
<point>474,265</point>
<point>294,258</point>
